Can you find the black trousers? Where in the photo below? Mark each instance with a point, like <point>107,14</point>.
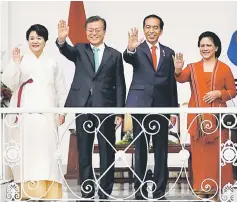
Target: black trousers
<point>160,146</point>
<point>85,126</point>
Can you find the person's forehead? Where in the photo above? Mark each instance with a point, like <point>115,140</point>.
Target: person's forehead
<point>98,23</point>
<point>206,39</point>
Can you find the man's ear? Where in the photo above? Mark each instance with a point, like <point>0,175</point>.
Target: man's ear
<point>161,32</point>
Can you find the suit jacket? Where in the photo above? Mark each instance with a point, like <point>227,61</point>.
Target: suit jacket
<point>149,85</point>
<point>106,86</point>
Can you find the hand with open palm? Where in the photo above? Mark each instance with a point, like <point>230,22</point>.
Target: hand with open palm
<point>178,62</point>
<point>133,41</point>
<point>63,30</point>
<point>16,55</point>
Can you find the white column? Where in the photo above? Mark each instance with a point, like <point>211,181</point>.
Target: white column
<point>4,57</point>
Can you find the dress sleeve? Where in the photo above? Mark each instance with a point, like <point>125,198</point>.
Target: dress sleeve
<point>60,86</point>
<point>11,75</point>
<point>184,76</point>
<point>230,90</point>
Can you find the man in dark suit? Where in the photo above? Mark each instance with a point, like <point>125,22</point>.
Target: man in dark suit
<point>98,82</point>
<point>153,85</point>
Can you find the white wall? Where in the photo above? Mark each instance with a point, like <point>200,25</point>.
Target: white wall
<point>184,22</point>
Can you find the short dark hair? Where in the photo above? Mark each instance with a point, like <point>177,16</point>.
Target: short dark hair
<point>95,19</point>
<point>216,40</point>
<point>40,30</point>
<point>154,16</point>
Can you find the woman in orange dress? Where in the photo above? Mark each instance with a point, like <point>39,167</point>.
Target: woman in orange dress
<point>212,84</point>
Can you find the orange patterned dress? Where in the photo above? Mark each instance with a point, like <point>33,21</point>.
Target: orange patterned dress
<point>205,148</point>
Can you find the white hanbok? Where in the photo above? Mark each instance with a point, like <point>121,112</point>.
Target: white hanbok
<point>35,133</point>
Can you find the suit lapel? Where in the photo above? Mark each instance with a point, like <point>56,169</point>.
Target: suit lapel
<point>146,50</point>
<point>106,55</point>
<point>90,56</point>
<point>162,57</point>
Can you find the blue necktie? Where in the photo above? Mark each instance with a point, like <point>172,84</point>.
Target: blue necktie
<point>96,57</point>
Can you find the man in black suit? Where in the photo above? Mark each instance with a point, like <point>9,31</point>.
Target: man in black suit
<point>98,82</point>
<point>153,85</point>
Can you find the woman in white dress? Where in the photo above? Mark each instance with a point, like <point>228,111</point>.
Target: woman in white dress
<point>36,81</point>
